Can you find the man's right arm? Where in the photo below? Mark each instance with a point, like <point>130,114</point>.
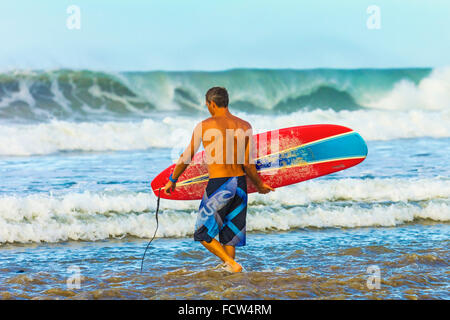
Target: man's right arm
<point>250,167</point>
<point>250,171</point>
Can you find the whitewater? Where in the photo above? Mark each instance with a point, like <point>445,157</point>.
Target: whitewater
<point>340,203</point>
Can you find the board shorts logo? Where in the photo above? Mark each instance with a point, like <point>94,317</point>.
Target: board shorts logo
<point>215,203</point>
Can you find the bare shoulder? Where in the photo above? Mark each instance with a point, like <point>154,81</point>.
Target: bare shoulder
<point>204,121</point>
<point>243,124</point>
<point>208,122</point>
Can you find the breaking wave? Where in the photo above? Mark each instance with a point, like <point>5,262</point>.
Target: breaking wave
<point>172,131</point>
<point>44,112</point>
<point>322,203</point>
<point>90,95</point>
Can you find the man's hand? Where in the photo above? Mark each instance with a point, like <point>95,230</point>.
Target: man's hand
<point>169,187</point>
<point>264,188</point>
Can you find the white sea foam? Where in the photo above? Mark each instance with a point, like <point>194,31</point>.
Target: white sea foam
<point>56,136</point>
<point>431,93</point>
<point>347,216</point>
<point>367,190</point>
<point>325,203</point>
<point>371,124</point>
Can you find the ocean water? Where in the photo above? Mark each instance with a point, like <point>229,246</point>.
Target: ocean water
<point>78,150</point>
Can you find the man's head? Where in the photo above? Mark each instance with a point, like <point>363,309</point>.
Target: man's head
<point>217,97</point>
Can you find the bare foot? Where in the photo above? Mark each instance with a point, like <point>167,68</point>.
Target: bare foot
<point>235,267</point>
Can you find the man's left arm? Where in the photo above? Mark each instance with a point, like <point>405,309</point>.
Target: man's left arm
<point>185,159</point>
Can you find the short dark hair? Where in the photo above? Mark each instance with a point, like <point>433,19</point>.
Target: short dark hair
<point>219,95</point>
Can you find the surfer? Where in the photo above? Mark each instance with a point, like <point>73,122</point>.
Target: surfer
<point>229,156</point>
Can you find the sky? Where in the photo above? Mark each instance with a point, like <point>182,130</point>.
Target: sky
<point>142,35</point>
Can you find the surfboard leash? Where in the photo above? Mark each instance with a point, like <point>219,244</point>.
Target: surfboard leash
<point>156,216</point>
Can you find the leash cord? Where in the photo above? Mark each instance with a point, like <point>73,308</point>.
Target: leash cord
<point>156,216</point>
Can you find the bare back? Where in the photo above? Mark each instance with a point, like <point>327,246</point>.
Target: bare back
<point>226,141</point>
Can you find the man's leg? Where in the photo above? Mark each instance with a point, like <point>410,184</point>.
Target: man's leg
<point>230,250</point>
<point>216,248</point>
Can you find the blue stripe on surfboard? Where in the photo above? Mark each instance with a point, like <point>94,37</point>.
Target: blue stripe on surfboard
<point>346,146</point>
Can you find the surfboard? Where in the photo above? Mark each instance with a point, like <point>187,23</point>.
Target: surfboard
<point>284,157</point>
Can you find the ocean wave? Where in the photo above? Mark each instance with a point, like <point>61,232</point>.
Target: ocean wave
<point>323,203</point>
<point>79,95</point>
<point>357,190</point>
<point>175,131</point>
<point>431,93</point>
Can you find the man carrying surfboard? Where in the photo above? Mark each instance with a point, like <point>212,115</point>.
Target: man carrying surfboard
<point>227,140</point>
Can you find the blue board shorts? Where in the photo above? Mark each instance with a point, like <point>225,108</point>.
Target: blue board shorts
<point>223,211</point>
